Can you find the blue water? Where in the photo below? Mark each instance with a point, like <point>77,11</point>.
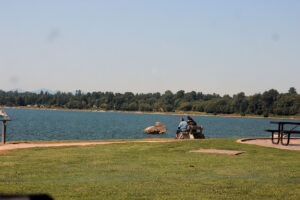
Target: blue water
<point>30,124</point>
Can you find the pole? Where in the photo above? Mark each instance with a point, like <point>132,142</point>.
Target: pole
<point>3,131</point>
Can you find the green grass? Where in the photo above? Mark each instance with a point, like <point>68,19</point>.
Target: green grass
<point>153,171</point>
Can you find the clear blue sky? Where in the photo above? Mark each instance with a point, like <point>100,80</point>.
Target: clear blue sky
<point>144,46</point>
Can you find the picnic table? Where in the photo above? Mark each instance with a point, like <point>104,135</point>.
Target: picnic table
<point>282,132</point>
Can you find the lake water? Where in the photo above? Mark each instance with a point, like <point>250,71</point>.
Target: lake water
<point>29,124</point>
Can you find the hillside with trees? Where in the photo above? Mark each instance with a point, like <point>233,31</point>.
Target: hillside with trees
<point>270,102</point>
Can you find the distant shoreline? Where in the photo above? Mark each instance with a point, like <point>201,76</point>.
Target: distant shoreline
<point>192,113</point>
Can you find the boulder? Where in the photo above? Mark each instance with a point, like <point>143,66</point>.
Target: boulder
<point>158,128</point>
<point>3,115</point>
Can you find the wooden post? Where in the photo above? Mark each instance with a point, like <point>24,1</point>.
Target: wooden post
<point>3,131</point>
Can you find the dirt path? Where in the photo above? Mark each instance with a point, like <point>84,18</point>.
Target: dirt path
<point>32,145</point>
<point>294,143</point>
<point>218,151</point>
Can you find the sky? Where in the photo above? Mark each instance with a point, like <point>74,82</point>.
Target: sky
<point>212,46</point>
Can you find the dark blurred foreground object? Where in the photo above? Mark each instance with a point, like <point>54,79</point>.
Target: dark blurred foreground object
<point>26,197</point>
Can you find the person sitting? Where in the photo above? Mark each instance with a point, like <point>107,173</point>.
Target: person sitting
<point>182,127</point>
<point>191,122</point>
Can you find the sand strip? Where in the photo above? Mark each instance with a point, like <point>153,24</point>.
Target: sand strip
<point>27,145</point>
<point>218,151</point>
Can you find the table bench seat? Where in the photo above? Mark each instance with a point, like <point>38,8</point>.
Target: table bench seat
<point>292,132</point>
<point>193,132</point>
<point>288,133</point>
<point>273,138</point>
<point>281,136</point>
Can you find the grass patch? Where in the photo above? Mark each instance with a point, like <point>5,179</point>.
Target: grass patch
<point>152,171</point>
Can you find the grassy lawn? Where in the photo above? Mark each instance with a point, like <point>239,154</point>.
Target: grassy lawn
<point>152,171</point>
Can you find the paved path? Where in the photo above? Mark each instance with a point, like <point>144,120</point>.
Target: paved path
<point>294,143</point>
<point>32,145</point>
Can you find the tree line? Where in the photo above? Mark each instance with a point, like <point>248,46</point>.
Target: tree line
<point>269,102</point>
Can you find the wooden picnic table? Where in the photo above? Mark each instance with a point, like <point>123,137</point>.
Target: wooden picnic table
<point>282,132</point>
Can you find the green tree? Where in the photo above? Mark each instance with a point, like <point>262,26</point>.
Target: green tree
<point>269,97</point>
<point>292,90</point>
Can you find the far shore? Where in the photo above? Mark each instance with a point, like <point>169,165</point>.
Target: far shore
<point>192,113</point>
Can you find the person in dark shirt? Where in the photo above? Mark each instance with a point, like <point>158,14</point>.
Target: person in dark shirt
<point>190,121</point>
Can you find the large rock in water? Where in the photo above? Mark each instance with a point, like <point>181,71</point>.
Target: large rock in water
<point>159,128</point>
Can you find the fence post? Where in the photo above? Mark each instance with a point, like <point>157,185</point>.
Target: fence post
<point>3,131</point>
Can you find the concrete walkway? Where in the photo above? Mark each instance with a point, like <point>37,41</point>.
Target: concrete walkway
<point>266,142</point>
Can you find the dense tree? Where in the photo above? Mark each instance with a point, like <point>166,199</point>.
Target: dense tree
<point>255,105</point>
<point>292,90</point>
<point>269,97</point>
<point>270,102</point>
<point>180,94</point>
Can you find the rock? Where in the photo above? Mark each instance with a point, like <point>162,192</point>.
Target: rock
<point>3,115</point>
<point>158,128</point>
